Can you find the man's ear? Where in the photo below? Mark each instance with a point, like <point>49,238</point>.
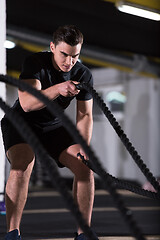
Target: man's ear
<point>52,47</point>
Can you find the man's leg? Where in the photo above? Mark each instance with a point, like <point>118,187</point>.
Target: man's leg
<point>21,158</point>
<point>83,186</point>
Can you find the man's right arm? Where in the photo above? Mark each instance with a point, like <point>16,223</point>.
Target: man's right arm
<point>30,103</point>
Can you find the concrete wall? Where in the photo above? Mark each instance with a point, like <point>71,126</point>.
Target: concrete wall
<point>142,124</point>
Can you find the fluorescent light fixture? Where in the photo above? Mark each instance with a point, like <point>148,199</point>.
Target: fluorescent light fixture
<point>138,10</point>
<point>9,44</point>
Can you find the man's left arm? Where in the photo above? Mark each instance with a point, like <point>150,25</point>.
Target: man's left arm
<point>84,120</point>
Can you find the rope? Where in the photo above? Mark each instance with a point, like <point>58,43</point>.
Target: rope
<point>136,157</point>
<point>57,111</point>
<point>124,184</point>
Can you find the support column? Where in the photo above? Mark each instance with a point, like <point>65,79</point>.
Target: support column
<point>3,89</point>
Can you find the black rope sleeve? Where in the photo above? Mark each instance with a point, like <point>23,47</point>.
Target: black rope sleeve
<point>57,111</point>
<point>136,157</point>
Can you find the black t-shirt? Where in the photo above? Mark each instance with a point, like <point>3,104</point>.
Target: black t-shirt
<point>39,66</point>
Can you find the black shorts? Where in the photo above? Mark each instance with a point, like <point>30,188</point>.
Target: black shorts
<point>54,141</point>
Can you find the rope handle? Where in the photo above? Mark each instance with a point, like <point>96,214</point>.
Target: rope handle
<point>86,162</point>
<point>79,86</point>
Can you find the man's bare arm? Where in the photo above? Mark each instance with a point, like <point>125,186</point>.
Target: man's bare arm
<point>30,103</point>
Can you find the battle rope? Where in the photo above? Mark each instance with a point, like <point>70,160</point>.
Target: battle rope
<point>136,157</point>
<point>124,184</point>
<point>22,127</point>
<point>108,184</point>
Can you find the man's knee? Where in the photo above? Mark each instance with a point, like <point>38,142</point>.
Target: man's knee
<point>69,159</point>
<point>21,157</point>
<point>81,171</point>
<point>84,174</point>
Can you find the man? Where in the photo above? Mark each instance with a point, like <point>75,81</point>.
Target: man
<point>54,74</point>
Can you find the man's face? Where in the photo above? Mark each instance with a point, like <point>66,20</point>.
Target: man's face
<point>64,55</point>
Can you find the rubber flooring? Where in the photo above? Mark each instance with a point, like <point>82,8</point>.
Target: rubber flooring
<point>46,217</point>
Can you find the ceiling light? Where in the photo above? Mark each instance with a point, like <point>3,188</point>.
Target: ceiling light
<point>9,44</point>
<point>138,10</point>
<point>116,96</point>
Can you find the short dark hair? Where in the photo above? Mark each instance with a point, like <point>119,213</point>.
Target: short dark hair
<point>69,34</point>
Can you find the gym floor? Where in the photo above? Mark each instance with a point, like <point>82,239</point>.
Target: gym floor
<point>46,216</point>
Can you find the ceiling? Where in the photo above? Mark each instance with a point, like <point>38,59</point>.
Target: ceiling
<point>111,38</point>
